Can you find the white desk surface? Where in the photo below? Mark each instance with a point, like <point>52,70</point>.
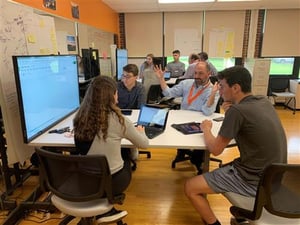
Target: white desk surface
<point>171,138</point>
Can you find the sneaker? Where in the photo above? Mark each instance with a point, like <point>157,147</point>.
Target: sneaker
<point>236,221</point>
<point>111,217</point>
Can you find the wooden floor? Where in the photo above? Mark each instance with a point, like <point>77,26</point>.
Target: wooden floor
<point>155,195</point>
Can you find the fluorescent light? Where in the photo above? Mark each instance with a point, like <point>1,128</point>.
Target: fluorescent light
<point>183,1</point>
<point>238,0</point>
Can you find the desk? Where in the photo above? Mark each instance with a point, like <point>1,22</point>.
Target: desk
<point>171,138</point>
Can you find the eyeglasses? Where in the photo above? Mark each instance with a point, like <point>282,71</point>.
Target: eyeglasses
<point>126,76</point>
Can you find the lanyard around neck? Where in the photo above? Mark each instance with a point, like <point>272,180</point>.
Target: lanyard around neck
<point>192,98</point>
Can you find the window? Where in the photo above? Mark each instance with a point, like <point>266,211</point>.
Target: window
<point>222,63</point>
<point>282,66</point>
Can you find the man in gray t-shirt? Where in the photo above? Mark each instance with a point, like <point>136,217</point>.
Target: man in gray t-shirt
<point>176,67</point>
<point>254,124</point>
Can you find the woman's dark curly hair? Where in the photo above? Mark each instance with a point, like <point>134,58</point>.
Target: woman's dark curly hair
<point>98,104</point>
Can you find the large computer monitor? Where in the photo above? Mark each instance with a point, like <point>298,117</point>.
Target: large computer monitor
<point>121,61</point>
<point>47,88</point>
<point>90,61</point>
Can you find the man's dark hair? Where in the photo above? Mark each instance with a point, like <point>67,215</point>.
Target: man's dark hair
<point>194,56</point>
<point>203,56</point>
<point>131,68</point>
<point>237,75</point>
<point>176,52</point>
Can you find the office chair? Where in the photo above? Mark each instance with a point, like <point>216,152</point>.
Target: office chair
<point>154,94</point>
<point>280,88</point>
<point>277,200</point>
<point>133,161</point>
<point>80,185</point>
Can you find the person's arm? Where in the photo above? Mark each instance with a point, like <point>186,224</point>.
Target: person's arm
<point>136,134</point>
<point>160,75</point>
<point>211,98</point>
<point>215,145</point>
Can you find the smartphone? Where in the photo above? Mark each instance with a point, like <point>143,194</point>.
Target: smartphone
<point>126,112</point>
<point>218,119</point>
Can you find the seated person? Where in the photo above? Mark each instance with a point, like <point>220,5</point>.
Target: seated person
<point>253,122</point>
<point>131,93</point>
<point>99,127</point>
<point>189,73</point>
<point>203,56</point>
<point>198,94</point>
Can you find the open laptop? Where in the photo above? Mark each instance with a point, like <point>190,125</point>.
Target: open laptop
<point>167,75</point>
<point>153,119</point>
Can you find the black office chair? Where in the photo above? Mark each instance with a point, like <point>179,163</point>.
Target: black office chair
<point>154,94</point>
<point>277,199</point>
<point>80,185</point>
<point>280,87</point>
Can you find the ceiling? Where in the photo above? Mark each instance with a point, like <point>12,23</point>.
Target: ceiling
<point>135,6</point>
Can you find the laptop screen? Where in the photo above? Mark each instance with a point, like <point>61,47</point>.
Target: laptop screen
<point>167,75</point>
<point>153,116</point>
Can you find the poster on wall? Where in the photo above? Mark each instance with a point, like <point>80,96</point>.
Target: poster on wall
<point>75,10</point>
<point>71,43</point>
<point>221,42</point>
<point>50,4</point>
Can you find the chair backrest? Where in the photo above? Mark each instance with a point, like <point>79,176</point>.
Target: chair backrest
<point>154,93</point>
<point>278,192</point>
<point>149,78</point>
<point>281,186</point>
<point>75,177</point>
<point>278,85</point>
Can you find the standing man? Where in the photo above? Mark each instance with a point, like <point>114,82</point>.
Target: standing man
<point>176,67</point>
<point>131,93</point>
<point>253,122</point>
<point>198,94</point>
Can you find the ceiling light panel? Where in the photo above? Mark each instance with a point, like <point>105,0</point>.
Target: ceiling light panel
<point>183,1</point>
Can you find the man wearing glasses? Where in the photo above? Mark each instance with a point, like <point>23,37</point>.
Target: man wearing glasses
<point>131,93</point>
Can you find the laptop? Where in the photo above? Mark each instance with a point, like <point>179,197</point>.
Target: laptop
<point>153,119</point>
<point>167,75</point>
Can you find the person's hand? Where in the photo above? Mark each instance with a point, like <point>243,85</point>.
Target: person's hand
<point>226,105</point>
<point>158,71</point>
<point>215,87</point>
<point>140,128</point>
<point>206,125</point>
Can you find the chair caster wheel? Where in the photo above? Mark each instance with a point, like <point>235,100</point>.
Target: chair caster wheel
<point>133,168</point>
<point>173,165</point>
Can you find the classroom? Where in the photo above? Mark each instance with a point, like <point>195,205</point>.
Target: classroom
<point>259,35</point>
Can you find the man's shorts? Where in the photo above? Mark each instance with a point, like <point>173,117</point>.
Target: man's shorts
<point>227,179</point>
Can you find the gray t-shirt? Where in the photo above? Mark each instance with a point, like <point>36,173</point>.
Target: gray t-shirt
<point>177,69</point>
<point>259,134</point>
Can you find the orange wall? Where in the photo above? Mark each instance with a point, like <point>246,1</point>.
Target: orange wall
<point>91,12</point>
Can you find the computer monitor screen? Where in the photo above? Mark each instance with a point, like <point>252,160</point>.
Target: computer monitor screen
<point>121,61</point>
<point>48,91</point>
<point>90,61</point>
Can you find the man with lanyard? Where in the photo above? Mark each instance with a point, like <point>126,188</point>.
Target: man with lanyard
<point>198,94</point>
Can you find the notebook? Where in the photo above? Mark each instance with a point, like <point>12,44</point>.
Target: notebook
<point>153,119</point>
